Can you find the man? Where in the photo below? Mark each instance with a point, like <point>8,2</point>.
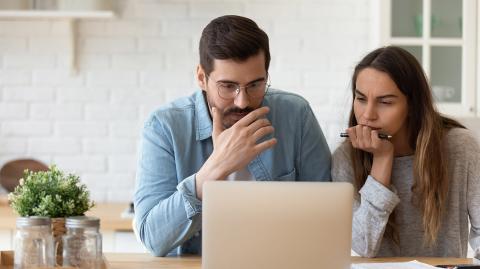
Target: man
<point>235,128</point>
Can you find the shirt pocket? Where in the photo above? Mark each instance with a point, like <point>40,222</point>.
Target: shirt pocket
<point>286,177</point>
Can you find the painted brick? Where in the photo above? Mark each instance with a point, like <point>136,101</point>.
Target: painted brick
<point>26,128</point>
<point>56,111</point>
<point>83,163</point>
<point>49,44</point>
<point>10,145</point>
<point>13,111</point>
<point>210,10</point>
<point>15,77</point>
<point>54,145</point>
<point>155,10</point>
<point>108,45</point>
<point>122,163</point>
<point>109,146</point>
<point>125,129</point>
<point>57,77</point>
<point>138,61</point>
<point>12,44</point>
<point>29,60</point>
<point>83,95</point>
<point>111,112</point>
<point>24,28</point>
<point>36,94</point>
<point>81,129</point>
<point>112,78</point>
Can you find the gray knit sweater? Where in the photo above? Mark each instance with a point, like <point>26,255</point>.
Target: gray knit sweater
<point>374,203</point>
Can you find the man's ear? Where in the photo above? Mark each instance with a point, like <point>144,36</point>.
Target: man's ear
<point>201,78</point>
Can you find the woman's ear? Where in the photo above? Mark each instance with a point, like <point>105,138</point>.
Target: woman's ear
<point>201,78</point>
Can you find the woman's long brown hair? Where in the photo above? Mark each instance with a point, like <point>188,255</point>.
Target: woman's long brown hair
<point>426,130</point>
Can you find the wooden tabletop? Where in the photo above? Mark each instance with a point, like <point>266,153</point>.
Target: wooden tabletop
<point>146,261</point>
<point>109,214</point>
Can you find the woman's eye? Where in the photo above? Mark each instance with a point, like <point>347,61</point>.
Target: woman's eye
<point>359,98</point>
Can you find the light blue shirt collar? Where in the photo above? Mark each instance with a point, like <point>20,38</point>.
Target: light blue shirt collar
<point>203,122</point>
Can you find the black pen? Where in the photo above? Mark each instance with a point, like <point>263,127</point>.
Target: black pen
<point>459,266</point>
<point>381,136</point>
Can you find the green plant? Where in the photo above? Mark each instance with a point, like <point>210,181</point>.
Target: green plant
<point>51,194</point>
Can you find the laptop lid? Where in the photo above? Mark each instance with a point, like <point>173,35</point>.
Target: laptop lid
<point>276,225</point>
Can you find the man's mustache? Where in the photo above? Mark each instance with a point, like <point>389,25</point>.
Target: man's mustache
<point>238,110</point>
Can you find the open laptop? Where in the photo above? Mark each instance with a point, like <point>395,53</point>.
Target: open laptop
<point>277,225</point>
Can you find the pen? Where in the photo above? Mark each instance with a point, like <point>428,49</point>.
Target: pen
<point>460,266</point>
<point>381,136</point>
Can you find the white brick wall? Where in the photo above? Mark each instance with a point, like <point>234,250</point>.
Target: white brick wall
<point>90,122</point>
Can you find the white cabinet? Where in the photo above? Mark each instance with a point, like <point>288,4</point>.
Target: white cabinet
<point>445,44</point>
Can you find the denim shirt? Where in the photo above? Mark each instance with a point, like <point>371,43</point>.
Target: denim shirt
<point>177,141</point>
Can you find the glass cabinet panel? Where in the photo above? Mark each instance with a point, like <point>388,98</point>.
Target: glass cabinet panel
<point>446,19</point>
<point>446,73</point>
<point>415,51</point>
<point>406,18</point>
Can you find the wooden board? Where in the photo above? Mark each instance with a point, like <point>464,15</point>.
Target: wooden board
<point>6,261</point>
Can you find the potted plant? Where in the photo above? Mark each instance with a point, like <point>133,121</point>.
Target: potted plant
<point>51,194</point>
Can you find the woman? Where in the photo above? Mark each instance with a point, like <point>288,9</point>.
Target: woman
<point>416,172</point>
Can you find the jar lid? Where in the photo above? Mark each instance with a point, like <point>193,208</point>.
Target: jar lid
<point>33,221</point>
<point>82,222</point>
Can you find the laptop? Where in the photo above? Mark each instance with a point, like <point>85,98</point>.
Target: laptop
<point>277,225</point>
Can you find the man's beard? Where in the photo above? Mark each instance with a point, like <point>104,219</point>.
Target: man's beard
<point>229,111</point>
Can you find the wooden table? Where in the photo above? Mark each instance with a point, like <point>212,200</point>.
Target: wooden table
<point>146,261</point>
<point>109,214</point>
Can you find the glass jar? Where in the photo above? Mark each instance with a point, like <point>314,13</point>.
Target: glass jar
<point>82,244</point>
<point>34,245</point>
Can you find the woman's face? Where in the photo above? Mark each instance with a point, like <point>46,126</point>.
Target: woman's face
<point>379,104</point>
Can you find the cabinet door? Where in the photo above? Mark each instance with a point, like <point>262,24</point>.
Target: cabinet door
<point>445,45</point>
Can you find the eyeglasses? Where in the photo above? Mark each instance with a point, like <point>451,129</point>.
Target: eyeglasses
<point>230,90</point>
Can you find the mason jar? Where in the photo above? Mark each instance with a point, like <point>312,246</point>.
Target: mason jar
<point>34,246</point>
<point>82,244</point>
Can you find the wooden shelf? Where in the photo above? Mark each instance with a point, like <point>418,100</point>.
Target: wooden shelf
<point>55,14</point>
<point>71,17</point>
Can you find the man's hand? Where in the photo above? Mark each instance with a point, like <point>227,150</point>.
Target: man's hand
<point>235,147</point>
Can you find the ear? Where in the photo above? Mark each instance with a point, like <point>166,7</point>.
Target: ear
<point>201,78</point>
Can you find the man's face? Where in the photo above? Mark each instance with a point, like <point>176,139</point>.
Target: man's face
<point>228,72</point>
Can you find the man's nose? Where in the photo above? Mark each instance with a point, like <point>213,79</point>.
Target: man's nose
<point>241,100</point>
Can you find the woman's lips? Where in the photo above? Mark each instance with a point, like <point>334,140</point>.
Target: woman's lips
<point>371,127</point>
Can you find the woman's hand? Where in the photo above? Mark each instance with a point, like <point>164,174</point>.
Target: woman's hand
<point>365,138</point>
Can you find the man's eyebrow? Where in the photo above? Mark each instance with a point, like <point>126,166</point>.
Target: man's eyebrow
<point>236,82</point>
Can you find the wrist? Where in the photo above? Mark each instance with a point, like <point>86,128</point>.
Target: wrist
<point>382,169</point>
<point>206,173</point>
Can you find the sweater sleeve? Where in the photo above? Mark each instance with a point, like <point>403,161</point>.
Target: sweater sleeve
<point>472,149</point>
<point>372,206</point>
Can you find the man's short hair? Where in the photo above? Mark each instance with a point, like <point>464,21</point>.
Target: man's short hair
<point>232,37</point>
